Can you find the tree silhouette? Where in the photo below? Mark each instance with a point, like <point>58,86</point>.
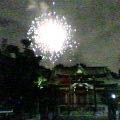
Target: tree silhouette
<point>18,71</point>
<point>26,42</point>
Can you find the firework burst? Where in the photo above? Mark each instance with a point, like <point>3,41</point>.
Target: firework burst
<point>51,36</point>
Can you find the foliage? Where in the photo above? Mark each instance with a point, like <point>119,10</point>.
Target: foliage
<point>41,82</point>
<point>18,71</point>
<point>50,99</point>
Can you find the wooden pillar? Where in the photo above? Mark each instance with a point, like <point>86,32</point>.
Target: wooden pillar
<point>66,98</point>
<point>74,95</point>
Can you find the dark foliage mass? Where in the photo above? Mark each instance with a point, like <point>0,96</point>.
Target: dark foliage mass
<point>18,71</point>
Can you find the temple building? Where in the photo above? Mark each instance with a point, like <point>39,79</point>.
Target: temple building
<point>82,86</point>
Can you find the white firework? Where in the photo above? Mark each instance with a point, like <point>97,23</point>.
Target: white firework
<point>51,35</point>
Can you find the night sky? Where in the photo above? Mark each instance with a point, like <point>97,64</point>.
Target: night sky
<point>97,23</point>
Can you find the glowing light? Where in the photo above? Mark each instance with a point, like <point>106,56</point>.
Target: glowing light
<point>51,35</point>
<point>79,71</point>
<point>53,3</point>
<point>113,96</point>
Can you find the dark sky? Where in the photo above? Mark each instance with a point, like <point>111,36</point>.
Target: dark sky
<point>97,23</point>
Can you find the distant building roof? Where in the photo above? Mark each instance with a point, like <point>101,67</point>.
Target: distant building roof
<point>97,71</point>
<point>63,70</point>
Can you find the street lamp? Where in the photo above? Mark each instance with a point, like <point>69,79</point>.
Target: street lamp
<point>113,96</point>
<point>112,107</point>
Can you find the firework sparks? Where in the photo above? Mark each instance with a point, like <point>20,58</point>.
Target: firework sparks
<point>51,35</point>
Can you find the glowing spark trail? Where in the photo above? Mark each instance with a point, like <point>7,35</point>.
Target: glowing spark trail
<point>51,35</point>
